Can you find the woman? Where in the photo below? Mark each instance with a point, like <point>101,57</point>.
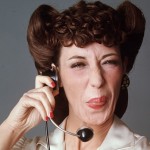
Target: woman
<point>93,47</point>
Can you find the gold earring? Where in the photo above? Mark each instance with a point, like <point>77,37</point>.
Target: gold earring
<point>125,82</point>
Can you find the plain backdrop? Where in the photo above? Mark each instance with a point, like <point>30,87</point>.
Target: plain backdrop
<point>17,71</point>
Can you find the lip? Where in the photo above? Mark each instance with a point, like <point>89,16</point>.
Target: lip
<point>97,103</point>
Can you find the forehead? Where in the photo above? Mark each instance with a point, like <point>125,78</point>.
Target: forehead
<point>92,50</point>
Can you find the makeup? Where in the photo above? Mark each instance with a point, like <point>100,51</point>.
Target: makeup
<point>97,103</point>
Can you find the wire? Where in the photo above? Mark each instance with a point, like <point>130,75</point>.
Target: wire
<point>47,136</point>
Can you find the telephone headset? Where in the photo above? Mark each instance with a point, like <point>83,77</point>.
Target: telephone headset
<point>84,133</point>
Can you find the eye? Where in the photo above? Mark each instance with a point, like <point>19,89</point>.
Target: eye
<point>112,62</point>
<point>78,65</point>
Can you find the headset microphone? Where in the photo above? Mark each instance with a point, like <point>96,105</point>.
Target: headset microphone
<point>84,134</point>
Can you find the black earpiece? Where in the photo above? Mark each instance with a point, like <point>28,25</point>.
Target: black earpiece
<point>53,73</point>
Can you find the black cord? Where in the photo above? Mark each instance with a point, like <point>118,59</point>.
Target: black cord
<point>47,136</point>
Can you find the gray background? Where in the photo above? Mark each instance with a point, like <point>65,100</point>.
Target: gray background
<point>17,70</point>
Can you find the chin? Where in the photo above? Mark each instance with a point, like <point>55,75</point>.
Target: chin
<point>96,119</point>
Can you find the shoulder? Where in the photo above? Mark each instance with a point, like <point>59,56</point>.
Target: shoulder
<point>26,144</point>
<point>132,139</point>
<point>120,137</point>
<point>56,141</point>
<point>141,142</point>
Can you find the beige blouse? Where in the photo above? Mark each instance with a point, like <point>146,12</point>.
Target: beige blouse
<point>119,137</point>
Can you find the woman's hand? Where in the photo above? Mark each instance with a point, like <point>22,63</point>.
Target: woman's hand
<point>35,105</point>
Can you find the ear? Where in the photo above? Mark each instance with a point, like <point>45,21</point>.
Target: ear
<point>125,63</point>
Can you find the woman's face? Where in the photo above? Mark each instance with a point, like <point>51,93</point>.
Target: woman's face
<point>91,77</point>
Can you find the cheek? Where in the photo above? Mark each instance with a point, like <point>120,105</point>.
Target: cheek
<point>114,77</point>
<point>70,80</point>
<point>114,82</point>
<point>72,84</point>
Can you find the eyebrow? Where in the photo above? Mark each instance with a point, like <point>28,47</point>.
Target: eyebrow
<point>110,54</point>
<point>82,57</point>
<point>76,57</point>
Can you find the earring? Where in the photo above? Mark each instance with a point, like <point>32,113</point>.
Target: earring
<point>125,82</point>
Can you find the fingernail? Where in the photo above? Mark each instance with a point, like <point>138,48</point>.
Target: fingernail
<point>46,118</point>
<point>53,84</point>
<point>51,115</point>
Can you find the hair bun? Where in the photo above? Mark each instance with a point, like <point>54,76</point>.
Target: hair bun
<point>133,24</point>
<point>40,33</point>
<point>132,17</point>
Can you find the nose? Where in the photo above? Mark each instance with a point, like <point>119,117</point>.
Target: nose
<point>96,78</point>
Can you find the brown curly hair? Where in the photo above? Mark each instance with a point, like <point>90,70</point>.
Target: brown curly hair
<point>83,24</point>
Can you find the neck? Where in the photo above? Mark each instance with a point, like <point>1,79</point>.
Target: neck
<point>100,132</point>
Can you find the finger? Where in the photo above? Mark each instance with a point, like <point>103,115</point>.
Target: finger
<point>49,93</point>
<point>41,96</point>
<point>54,92</point>
<point>30,102</point>
<point>41,81</point>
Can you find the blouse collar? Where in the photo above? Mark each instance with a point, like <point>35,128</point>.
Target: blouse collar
<point>119,136</point>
